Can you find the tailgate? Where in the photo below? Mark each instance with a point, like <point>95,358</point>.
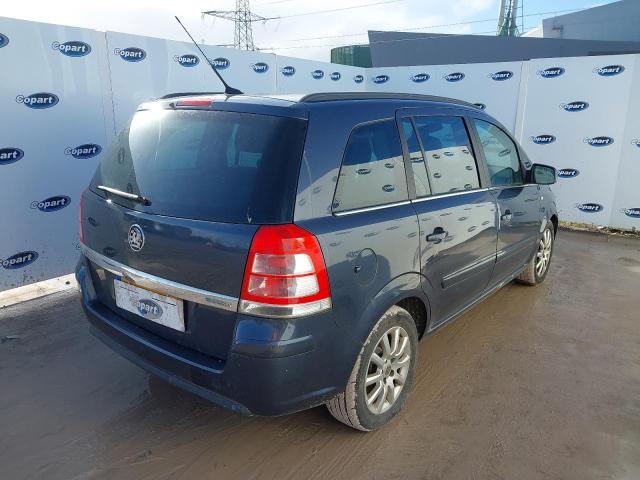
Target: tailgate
<point>173,208</point>
<point>199,262</point>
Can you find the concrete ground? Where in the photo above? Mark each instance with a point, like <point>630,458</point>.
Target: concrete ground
<point>537,382</point>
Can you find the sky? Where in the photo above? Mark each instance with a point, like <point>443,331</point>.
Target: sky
<point>297,32</point>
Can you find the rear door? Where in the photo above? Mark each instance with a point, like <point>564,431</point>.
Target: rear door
<point>457,214</point>
<point>211,178</point>
<point>518,203</point>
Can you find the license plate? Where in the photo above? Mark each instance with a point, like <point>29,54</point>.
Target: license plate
<point>158,308</point>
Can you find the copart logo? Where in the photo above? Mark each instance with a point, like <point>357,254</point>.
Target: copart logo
<point>38,100</point>
<point>420,77</point>
<point>501,76</point>
<point>288,71</point>
<point>87,150</point>
<point>543,139</point>
<point>260,67</point>
<point>552,72</point>
<point>187,60</point>
<point>454,77</point>
<point>631,212</point>
<point>480,106</point>
<point>51,204</point>
<point>335,76</point>
<point>149,309</point>
<point>381,79</point>
<point>568,173</point>
<point>317,74</point>
<point>4,40</point>
<point>131,54</point>
<point>599,141</point>
<point>589,207</point>
<point>358,78</point>
<point>74,48</point>
<point>19,260</point>
<point>609,71</point>
<point>221,63</point>
<point>10,155</point>
<point>577,106</point>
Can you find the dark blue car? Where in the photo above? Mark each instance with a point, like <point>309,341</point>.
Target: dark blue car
<point>272,254</point>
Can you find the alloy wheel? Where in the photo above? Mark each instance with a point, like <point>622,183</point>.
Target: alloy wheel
<point>543,257</point>
<point>387,370</point>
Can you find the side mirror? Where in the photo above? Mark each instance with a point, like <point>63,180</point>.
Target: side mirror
<point>543,174</point>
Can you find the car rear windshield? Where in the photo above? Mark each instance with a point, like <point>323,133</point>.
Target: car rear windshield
<point>206,165</point>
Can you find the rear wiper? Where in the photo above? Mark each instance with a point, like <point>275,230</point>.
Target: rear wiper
<point>128,196</point>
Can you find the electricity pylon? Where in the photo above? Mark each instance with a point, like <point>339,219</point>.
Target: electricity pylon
<point>508,20</point>
<point>243,19</point>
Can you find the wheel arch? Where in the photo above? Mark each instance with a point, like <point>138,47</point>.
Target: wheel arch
<point>554,220</point>
<point>404,291</point>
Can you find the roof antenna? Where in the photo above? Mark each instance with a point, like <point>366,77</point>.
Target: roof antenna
<point>227,89</point>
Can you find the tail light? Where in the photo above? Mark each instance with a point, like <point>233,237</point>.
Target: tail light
<point>81,216</point>
<point>285,276</point>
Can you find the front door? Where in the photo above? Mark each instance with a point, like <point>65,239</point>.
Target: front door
<point>518,203</point>
<point>457,215</point>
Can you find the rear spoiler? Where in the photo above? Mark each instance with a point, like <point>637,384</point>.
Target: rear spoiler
<point>188,94</point>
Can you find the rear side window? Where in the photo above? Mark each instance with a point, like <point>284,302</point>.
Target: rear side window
<point>501,155</point>
<point>449,164</point>
<point>372,170</point>
<point>206,165</point>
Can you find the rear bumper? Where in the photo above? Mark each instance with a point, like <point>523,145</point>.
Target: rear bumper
<point>273,367</point>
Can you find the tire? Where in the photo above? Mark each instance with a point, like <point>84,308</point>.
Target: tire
<point>532,275</point>
<point>350,407</point>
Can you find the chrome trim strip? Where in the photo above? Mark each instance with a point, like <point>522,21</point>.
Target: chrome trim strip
<point>161,285</point>
<point>452,194</point>
<point>467,271</point>
<point>504,187</point>
<point>484,295</point>
<point>517,247</point>
<point>284,311</point>
<point>406,202</point>
<point>371,209</point>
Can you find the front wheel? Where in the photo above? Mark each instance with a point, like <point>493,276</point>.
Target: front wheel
<point>382,375</point>
<point>537,268</point>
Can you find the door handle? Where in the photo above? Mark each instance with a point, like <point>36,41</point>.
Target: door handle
<point>437,236</point>
<point>507,216</point>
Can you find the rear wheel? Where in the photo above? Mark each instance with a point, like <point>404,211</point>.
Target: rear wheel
<point>382,376</point>
<point>537,268</point>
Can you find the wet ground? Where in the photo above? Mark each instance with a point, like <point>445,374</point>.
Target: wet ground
<point>537,382</point>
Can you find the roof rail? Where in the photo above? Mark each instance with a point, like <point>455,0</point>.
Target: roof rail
<point>328,97</point>
<point>188,94</point>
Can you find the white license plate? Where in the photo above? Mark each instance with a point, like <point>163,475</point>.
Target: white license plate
<point>161,309</point>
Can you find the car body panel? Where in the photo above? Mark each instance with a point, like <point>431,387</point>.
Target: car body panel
<point>364,252</point>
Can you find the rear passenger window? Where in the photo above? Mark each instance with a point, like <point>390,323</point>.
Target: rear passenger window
<point>372,170</point>
<point>501,155</point>
<point>449,165</point>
